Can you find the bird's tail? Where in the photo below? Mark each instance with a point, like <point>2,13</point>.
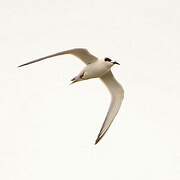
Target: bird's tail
<point>77,78</point>
<point>74,80</point>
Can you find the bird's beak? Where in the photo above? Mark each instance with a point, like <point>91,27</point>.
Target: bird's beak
<point>116,63</point>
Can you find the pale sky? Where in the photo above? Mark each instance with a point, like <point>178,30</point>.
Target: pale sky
<point>48,128</point>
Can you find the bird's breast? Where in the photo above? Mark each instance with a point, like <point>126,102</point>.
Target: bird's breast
<point>95,70</point>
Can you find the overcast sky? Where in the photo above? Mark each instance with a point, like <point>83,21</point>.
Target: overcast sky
<point>48,128</point>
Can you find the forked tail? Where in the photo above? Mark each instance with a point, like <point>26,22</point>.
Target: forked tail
<point>77,78</point>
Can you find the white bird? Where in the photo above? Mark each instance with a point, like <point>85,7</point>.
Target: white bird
<point>96,68</point>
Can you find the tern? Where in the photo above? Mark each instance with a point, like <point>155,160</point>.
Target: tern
<point>96,68</point>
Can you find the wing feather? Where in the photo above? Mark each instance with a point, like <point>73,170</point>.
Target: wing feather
<point>117,95</point>
<point>81,53</point>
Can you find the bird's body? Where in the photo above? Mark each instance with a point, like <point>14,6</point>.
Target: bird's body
<point>96,68</point>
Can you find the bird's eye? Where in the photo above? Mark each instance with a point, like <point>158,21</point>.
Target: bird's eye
<point>107,59</point>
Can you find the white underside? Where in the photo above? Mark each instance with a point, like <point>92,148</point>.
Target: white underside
<point>96,69</point>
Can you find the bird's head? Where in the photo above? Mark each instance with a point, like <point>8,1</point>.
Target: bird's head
<point>110,62</point>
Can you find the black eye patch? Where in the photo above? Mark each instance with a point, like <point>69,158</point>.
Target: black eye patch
<point>107,59</point>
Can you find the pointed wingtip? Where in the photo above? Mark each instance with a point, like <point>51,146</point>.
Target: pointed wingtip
<point>97,140</point>
<point>22,65</point>
<point>100,136</point>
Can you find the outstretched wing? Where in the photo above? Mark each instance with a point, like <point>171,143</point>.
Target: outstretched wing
<point>81,53</point>
<point>117,95</point>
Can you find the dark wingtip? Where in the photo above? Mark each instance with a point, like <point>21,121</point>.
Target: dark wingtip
<point>100,136</point>
<point>23,65</point>
<point>97,140</point>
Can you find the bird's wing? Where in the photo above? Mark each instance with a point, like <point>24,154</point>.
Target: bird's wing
<point>117,95</point>
<point>81,53</point>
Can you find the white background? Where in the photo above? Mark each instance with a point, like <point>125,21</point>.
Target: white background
<point>48,128</point>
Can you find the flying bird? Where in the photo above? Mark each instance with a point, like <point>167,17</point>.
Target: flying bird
<point>96,68</point>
